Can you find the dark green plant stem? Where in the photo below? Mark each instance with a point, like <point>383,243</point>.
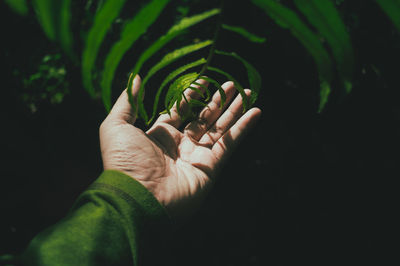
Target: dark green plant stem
<point>213,47</point>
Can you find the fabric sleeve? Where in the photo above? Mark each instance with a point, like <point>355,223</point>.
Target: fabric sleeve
<point>112,223</point>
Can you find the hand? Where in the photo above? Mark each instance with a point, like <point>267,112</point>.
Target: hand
<point>178,167</point>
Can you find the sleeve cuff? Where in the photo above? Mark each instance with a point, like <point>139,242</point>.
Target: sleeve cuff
<point>133,192</point>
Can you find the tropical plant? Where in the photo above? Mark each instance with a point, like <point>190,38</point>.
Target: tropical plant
<point>322,32</point>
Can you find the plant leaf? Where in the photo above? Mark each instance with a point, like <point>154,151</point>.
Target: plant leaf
<point>324,95</point>
<point>286,18</point>
<point>392,10</point>
<point>173,32</point>
<point>176,89</point>
<point>242,31</point>
<point>19,6</point>
<point>237,85</point>
<point>54,16</point>
<point>252,73</point>
<point>65,32</point>
<point>102,22</point>
<point>194,102</point>
<point>323,15</point>
<point>168,79</point>
<point>46,12</point>
<point>132,30</point>
<point>220,90</point>
<point>166,60</point>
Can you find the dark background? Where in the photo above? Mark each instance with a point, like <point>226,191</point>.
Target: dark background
<point>303,187</point>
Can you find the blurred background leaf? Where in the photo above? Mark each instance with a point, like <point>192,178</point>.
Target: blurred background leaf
<point>19,6</point>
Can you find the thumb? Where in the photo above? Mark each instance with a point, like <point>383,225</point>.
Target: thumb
<point>122,109</point>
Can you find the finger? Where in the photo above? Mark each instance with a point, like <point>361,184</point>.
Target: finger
<point>174,119</point>
<point>122,109</point>
<point>210,114</point>
<point>225,145</point>
<point>225,121</point>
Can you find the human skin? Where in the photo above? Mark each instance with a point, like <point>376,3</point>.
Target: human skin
<point>177,166</point>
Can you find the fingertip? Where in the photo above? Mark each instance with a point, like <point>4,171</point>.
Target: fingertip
<point>228,84</point>
<point>136,84</point>
<point>202,81</point>
<point>257,112</point>
<point>123,109</point>
<point>254,116</point>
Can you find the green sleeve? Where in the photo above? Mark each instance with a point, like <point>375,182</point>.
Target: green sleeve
<point>112,223</point>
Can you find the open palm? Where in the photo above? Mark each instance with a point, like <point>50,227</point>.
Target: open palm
<point>177,166</point>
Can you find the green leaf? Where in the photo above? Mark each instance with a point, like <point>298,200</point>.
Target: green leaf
<point>252,73</point>
<point>173,32</point>
<point>19,6</point>
<point>168,79</point>
<point>194,102</point>
<point>54,16</point>
<point>324,95</point>
<point>286,18</point>
<point>392,10</point>
<point>220,90</point>
<point>46,12</point>
<point>132,30</point>
<point>176,89</point>
<point>241,31</point>
<point>65,32</point>
<point>102,22</point>
<point>323,15</point>
<point>237,85</point>
<point>166,60</point>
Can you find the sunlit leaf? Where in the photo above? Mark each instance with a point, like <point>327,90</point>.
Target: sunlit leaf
<point>102,22</point>
<point>323,15</point>
<point>238,86</point>
<point>171,77</point>
<point>166,60</point>
<point>18,6</point>
<point>243,32</point>
<point>392,9</point>
<point>132,30</point>
<point>286,18</point>
<point>175,90</point>
<point>194,102</point>
<point>252,73</point>
<point>173,32</point>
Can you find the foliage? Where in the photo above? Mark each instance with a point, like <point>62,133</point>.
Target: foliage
<point>18,6</point>
<point>324,36</point>
<point>133,29</point>
<point>51,77</point>
<point>392,9</point>
<point>102,22</point>
<point>55,18</point>
<point>239,30</point>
